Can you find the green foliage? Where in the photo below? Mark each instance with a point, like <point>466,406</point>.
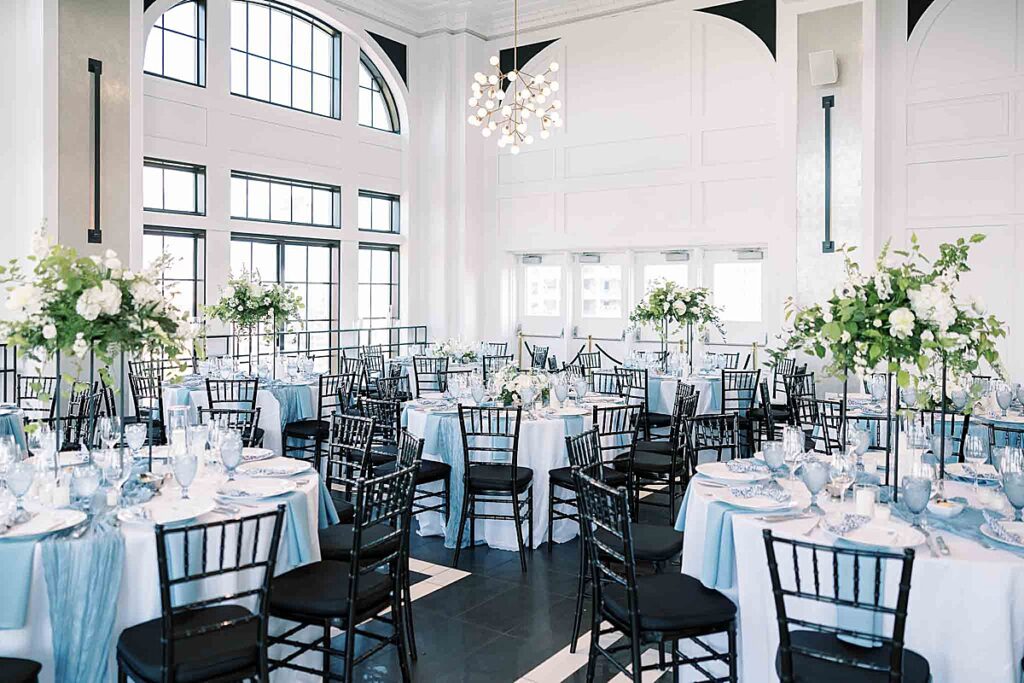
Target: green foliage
<point>247,302</point>
<point>669,304</point>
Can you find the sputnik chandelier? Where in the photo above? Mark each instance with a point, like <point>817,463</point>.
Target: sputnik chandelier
<point>503,103</point>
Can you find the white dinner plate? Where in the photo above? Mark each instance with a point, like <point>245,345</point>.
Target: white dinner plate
<point>1012,527</point>
<point>256,454</point>
<point>254,489</point>
<point>800,499</point>
<point>168,509</point>
<point>601,398</point>
<point>275,468</point>
<point>879,534</point>
<point>45,522</point>
<point>719,471</point>
<point>569,410</point>
<point>986,472</point>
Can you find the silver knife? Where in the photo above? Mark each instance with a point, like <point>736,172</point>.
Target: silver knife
<point>930,542</point>
<point>941,542</point>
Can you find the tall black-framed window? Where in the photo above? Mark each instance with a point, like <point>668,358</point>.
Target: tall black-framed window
<point>379,212</point>
<point>257,197</point>
<point>176,45</point>
<point>376,103</point>
<point>183,281</point>
<point>173,187</point>
<point>379,267</point>
<point>310,266</point>
<point>286,57</point>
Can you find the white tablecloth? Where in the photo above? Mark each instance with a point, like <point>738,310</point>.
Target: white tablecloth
<point>661,393</point>
<point>270,410</point>
<point>966,611</point>
<point>139,598</point>
<point>541,448</point>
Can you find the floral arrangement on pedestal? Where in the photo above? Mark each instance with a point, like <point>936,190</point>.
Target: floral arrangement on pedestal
<point>509,382</point>
<point>75,304</point>
<point>667,304</point>
<point>247,302</point>
<point>456,350</point>
<point>905,317</point>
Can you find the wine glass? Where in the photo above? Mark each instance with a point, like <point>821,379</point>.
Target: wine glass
<point>85,479</point>
<point>775,457</point>
<point>959,397</point>
<point>527,395</point>
<point>843,470</point>
<point>1019,389</point>
<point>793,442</point>
<point>975,452</point>
<point>8,457</point>
<point>581,386</point>
<point>917,490</point>
<point>1004,396</point>
<point>814,474</point>
<point>19,481</point>
<point>1013,482</point>
<point>109,430</point>
<point>117,467</point>
<point>135,436</point>
<point>185,466</point>
<point>909,396</point>
<point>479,392</point>
<point>231,452</point>
<point>561,391</point>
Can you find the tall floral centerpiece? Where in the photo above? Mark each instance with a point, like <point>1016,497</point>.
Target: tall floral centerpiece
<point>510,382</point>
<point>904,317</point>
<point>455,350</point>
<point>63,303</point>
<point>667,305</point>
<point>246,303</point>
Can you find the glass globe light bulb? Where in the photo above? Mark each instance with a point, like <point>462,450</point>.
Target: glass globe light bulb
<point>494,60</point>
<point>529,140</point>
<point>512,75</point>
<point>515,149</point>
<point>554,86</point>
<point>489,104</point>
<point>526,114</point>
<point>521,128</point>
<point>486,132</point>
<point>473,101</point>
<point>492,79</point>
<point>553,67</point>
<point>479,78</point>
<point>545,134</point>
<point>481,112</point>
<point>546,91</point>
<point>538,79</point>
<point>557,104</point>
<point>500,95</point>
<point>506,110</point>
<point>471,120</point>
<point>541,99</point>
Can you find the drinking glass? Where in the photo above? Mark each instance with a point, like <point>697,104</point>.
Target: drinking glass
<point>117,467</point>
<point>231,452</point>
<point>198,436</point>
<point>793,441</point>
<point>561,391</point>
<point>109,430</point>
<point>814,474</point>
<point>959,397</point>
<point>843,471</point>
<point>1004,396</point>
<point>909,396</point>
<point>8,457</point>
<point>916,491</point>
<point>1019,390</point>
<point>19,481</point>
<point>774,457</point>
<point>581,387</point>
<point>528,394</point>
<point>877,388</point>
<point>975,452</point>
<point>85,479</point>
<point>1013,483</point>
<point>135,435</point>
<point>859,439</point>
<point>177,428</point>
<point>479,392</point>
<point>185,466</point>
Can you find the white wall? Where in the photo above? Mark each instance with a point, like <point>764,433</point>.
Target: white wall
<point>954,122</point>
<point>224,132</point>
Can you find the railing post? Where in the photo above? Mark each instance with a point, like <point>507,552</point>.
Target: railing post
<point>520,350</point>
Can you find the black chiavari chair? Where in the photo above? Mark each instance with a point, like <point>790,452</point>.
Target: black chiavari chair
<point>653,543</point>
<point>35,397</point>
<point>766,416</point>
<point>661,465</point>
<point>150,368</point>
<point>148,400</point>
<point>634,385</point>
<point>573,373</point>
<point>956,427</point>
<point>730,361</point>
<point>430,373</point>
<point>491,364</point>
<point>830,425</point>
<point>591,360</point>
<point>15,670</point>
<point>496,348</point>
<point>387,417</point>
<point>374,365</point>
<point>366,586</point>
<point>348,451</point>
<point>394,388</point>
<point>202,635</point>
<point>783,368</point>
<point>605,382</point>
<point>539,357</point>
<point>719,433</point>
<point>232,393</point>
<point>739,391</point>
<point>80,424</point>
<point>617,428</point>
<point>1000,435</point>
<point>489,434</point>
<point>801,397</point>
<point>663,609</point>
<point>304,438</point>
<point>811,650</point>
<point>243,421</point>
<point>552,363</point>
<point>431,473</point>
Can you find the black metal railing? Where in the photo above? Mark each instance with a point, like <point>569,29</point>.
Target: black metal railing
<point>8,373</point>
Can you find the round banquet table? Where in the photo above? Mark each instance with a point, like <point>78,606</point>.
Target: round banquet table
<point>966,610</point>
<point>541,448</point>
<point>139,594</point>
<point>661,392</point>
<point>279,404</point>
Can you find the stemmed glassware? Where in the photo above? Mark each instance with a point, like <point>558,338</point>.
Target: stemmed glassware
<point>814,474</point>
<point>185,466</point>
<point>581,386</point>
<point>959,397</point>
<point>843,470</point>
<point>109,430</point>
<point>561,390</point>
<point>975,452</point>
<point>135,436</point>
<point>775,457</point>
<point>1004,396</point>
<point>19,481</point>
<point>231,451</point>
<point>85,479</point>
<point>116,467</point>
<point>479,392</point>
<point>1013,482</point>
<point>917,491</point>
<point>528,395</point>
<point>177,428</point>
<point>793,443</point>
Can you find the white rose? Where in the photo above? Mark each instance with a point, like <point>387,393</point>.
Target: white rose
<point>49,331</point>
<point>85,306</point>
<point>61,286</point>
<point>112,263</point>
<point>877,322</point>
<point>845,337</point>
<point>901,323</point>
<point>680,307</point>
<point>827,316</point>
<point>927,336</point>
<point>80,348</point>
<point>110,298</point>
<point>128,276</point>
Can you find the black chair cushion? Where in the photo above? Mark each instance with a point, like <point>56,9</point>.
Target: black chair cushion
<point>19,670</point>
<point>430,471</point>
<point>336,542</point>
<point>308,429</point>
<point>320,590</point>
<point>672,602</point>
<point>648,462</point>
<point>807,669</point>
<point>499,478</point>
<point>663,447</point>
<point>659,420</point>
<point>346,510</point>
<point>562,476</point>
<point>200,658</point>
<point>651,542</point>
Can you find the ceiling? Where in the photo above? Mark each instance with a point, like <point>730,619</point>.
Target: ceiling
<point>486,18</point>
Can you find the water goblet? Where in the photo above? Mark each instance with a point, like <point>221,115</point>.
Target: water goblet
<point>916,491</point>
<point>775,457</point>
<point>527,395</point>
<point>581,386</point>
<point>185,466</point>
<point>814,474</point>
<point>843,471</point>
<point>135,436</point>
<point>479,392</point>
<point>561,391</point>
<point>959,397</point>
<point>1013,483</point>
<point>19,481</point>
<point>109,430</point>
<point>117,467</point>
<point>85,479</point>
<point>976,453</point>
<point>1019,390</point>
<point>231,452</point>
<point>1004,396</point>
<point>909,396</point>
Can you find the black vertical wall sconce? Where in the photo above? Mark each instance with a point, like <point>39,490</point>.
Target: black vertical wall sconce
<point>96,71</point>
<point>827,245</point>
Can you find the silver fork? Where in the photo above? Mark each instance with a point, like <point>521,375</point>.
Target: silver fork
<point>807,534</point>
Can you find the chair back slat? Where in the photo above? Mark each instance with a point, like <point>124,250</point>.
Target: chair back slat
<point>430,373</point>
<point>490,436</point>
<point>739,390</point>
<point>618,428</point>
<point>232,393</point>
<point>348,451</point>
<point>245,422</point>
<point>539,357</point>
<point>718,433</point>
<point>491,364</point>
<point>496,349</point>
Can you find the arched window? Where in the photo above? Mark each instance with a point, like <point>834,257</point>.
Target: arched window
<point>376,103</point>
<point>284,56</point>
<point>176,47</point>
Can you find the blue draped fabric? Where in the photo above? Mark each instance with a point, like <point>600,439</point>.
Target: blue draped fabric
<point>965,525</point>
<point>719,545</point>
<point>327,514</point>
<point>296,401</point>
<point>11,423</point>
<point>83,580</point>
<point>16,559</point>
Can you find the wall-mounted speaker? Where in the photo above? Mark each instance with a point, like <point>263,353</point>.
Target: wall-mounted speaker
<point>824,68</point>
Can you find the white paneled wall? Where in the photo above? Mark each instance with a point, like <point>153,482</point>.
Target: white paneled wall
<point>957,127</point>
